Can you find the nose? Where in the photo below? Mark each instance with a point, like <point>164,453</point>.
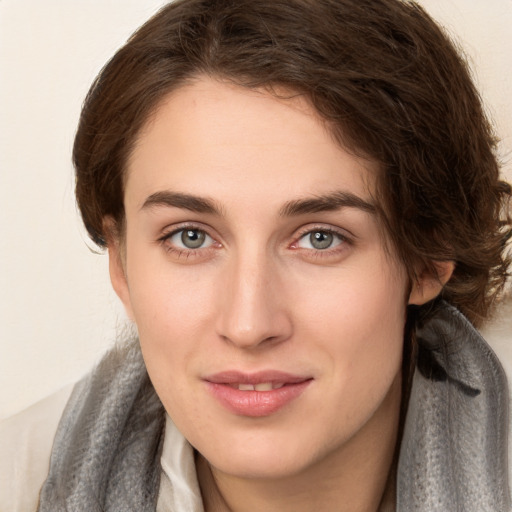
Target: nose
<point>252,308</point>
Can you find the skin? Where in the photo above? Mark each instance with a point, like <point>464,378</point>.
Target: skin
<point>257,295</point>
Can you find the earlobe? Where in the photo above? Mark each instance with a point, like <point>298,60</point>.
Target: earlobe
<point>117,270</point>
<point>429,285</point>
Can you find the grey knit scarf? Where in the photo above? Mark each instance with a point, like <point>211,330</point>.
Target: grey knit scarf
<point>453,458</point>
<point>106,453</point>
<point>454,449</point>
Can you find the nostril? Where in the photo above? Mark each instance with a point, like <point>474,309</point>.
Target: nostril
<point>253,341</point>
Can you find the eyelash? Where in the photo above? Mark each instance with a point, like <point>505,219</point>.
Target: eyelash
<point>329,252</point>
<point>344,240</point>
<point>164,240</point>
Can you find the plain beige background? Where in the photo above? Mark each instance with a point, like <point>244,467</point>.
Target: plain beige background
<point>57,312</point>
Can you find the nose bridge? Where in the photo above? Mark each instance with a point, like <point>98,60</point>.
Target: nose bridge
<point>252,311</point>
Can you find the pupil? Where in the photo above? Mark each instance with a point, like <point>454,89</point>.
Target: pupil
<point>192,238</point>
<point>321,239</point>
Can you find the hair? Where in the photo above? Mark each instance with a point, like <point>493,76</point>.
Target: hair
<point>386,79</point>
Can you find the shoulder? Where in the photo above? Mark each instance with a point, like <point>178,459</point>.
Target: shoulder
<point>25,445</point>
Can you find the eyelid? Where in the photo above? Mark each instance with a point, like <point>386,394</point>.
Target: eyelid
<point>207,242</point>
<point>307,240</point>
<point>329,254</point>
<point>172,230</point>
<point>342,233</point>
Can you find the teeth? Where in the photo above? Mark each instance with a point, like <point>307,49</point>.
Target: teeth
<point>263,386</point>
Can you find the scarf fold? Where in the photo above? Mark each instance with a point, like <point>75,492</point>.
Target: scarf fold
<point>453,457</point>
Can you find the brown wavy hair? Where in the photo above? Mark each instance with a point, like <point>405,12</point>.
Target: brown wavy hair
<point>388,82</point>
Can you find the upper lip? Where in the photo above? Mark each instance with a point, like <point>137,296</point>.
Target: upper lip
<point>238,377</point>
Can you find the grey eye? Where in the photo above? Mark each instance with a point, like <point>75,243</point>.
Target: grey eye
<point>193,238</point>
<point>190,238</point>
<point>321,239</point>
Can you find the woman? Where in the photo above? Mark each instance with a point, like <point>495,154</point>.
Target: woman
<point>304,219</point>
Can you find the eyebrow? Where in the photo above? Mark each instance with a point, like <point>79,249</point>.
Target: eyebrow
<point>321,203</point>
<point>185,201</point>
<point>325,203</point>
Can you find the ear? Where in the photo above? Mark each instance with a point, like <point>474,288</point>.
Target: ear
<point>429,284</point>
<point>117,266</point>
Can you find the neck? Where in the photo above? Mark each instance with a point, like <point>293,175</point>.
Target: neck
<point>357,477</point>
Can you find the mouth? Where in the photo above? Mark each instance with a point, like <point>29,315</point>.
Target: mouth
<point>262,386</point>
<point>257,394</point>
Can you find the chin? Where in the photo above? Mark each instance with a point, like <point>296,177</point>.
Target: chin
<point>275,467</point>
<point>265,456</point>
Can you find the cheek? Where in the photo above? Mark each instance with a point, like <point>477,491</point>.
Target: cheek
<point>165,297</point>
<point>172,310</point>
<point>357,322</point>
<point>362,302</point>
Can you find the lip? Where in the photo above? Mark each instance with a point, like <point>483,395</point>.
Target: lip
<point>256,404</point>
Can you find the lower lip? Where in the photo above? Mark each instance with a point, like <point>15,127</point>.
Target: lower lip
<point>256,404</point>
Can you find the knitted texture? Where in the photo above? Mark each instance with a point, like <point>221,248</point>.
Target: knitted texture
<point>454,450</point>
<point>106,453</point>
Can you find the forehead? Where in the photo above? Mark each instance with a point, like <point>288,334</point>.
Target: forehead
<point>216,135</point>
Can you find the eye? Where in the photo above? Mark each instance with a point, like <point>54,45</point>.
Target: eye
<point>190,238</point>
<point>320,240</point>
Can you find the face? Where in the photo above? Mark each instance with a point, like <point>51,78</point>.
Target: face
<point>269,312</point>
